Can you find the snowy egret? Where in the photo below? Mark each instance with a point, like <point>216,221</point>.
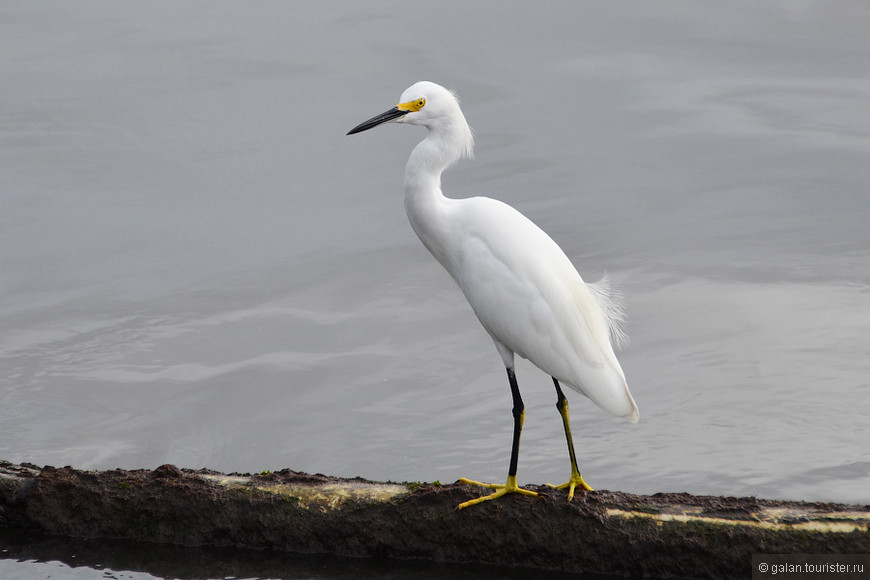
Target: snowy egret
<point>520,284</point>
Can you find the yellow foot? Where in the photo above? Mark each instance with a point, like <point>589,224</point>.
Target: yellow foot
<point>576,481</point>
<point>509,487</point>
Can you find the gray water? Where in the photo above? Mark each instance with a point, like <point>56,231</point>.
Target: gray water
<point>198,267</point>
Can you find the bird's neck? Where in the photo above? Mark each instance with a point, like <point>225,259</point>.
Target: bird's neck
<point>423,198</point>
<point>447,141</point>
<point>424,169</point>
<point>425,204</point>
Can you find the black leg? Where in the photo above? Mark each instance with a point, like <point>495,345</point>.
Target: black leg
<point>519,412</point>
<point>510,486</point>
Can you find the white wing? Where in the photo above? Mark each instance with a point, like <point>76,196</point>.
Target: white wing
<point>530,298</point>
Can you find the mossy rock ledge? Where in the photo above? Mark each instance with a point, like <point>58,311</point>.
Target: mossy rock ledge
<point>662,535</point>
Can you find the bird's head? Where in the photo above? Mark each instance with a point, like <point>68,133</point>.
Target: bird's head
<point>431,106</point>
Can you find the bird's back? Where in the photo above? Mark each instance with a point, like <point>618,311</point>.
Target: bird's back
<point>530,298</point>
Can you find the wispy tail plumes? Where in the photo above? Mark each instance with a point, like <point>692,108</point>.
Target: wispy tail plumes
<point>610,299</point>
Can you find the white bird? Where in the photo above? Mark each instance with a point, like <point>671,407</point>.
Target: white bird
<point>520,284</point>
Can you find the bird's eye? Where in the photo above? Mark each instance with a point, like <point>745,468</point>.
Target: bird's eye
<point>412,106</point>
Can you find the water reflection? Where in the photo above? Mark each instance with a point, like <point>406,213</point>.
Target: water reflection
<point>71,559</point>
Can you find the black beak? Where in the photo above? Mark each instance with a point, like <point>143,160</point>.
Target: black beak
<point>393,113</point>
